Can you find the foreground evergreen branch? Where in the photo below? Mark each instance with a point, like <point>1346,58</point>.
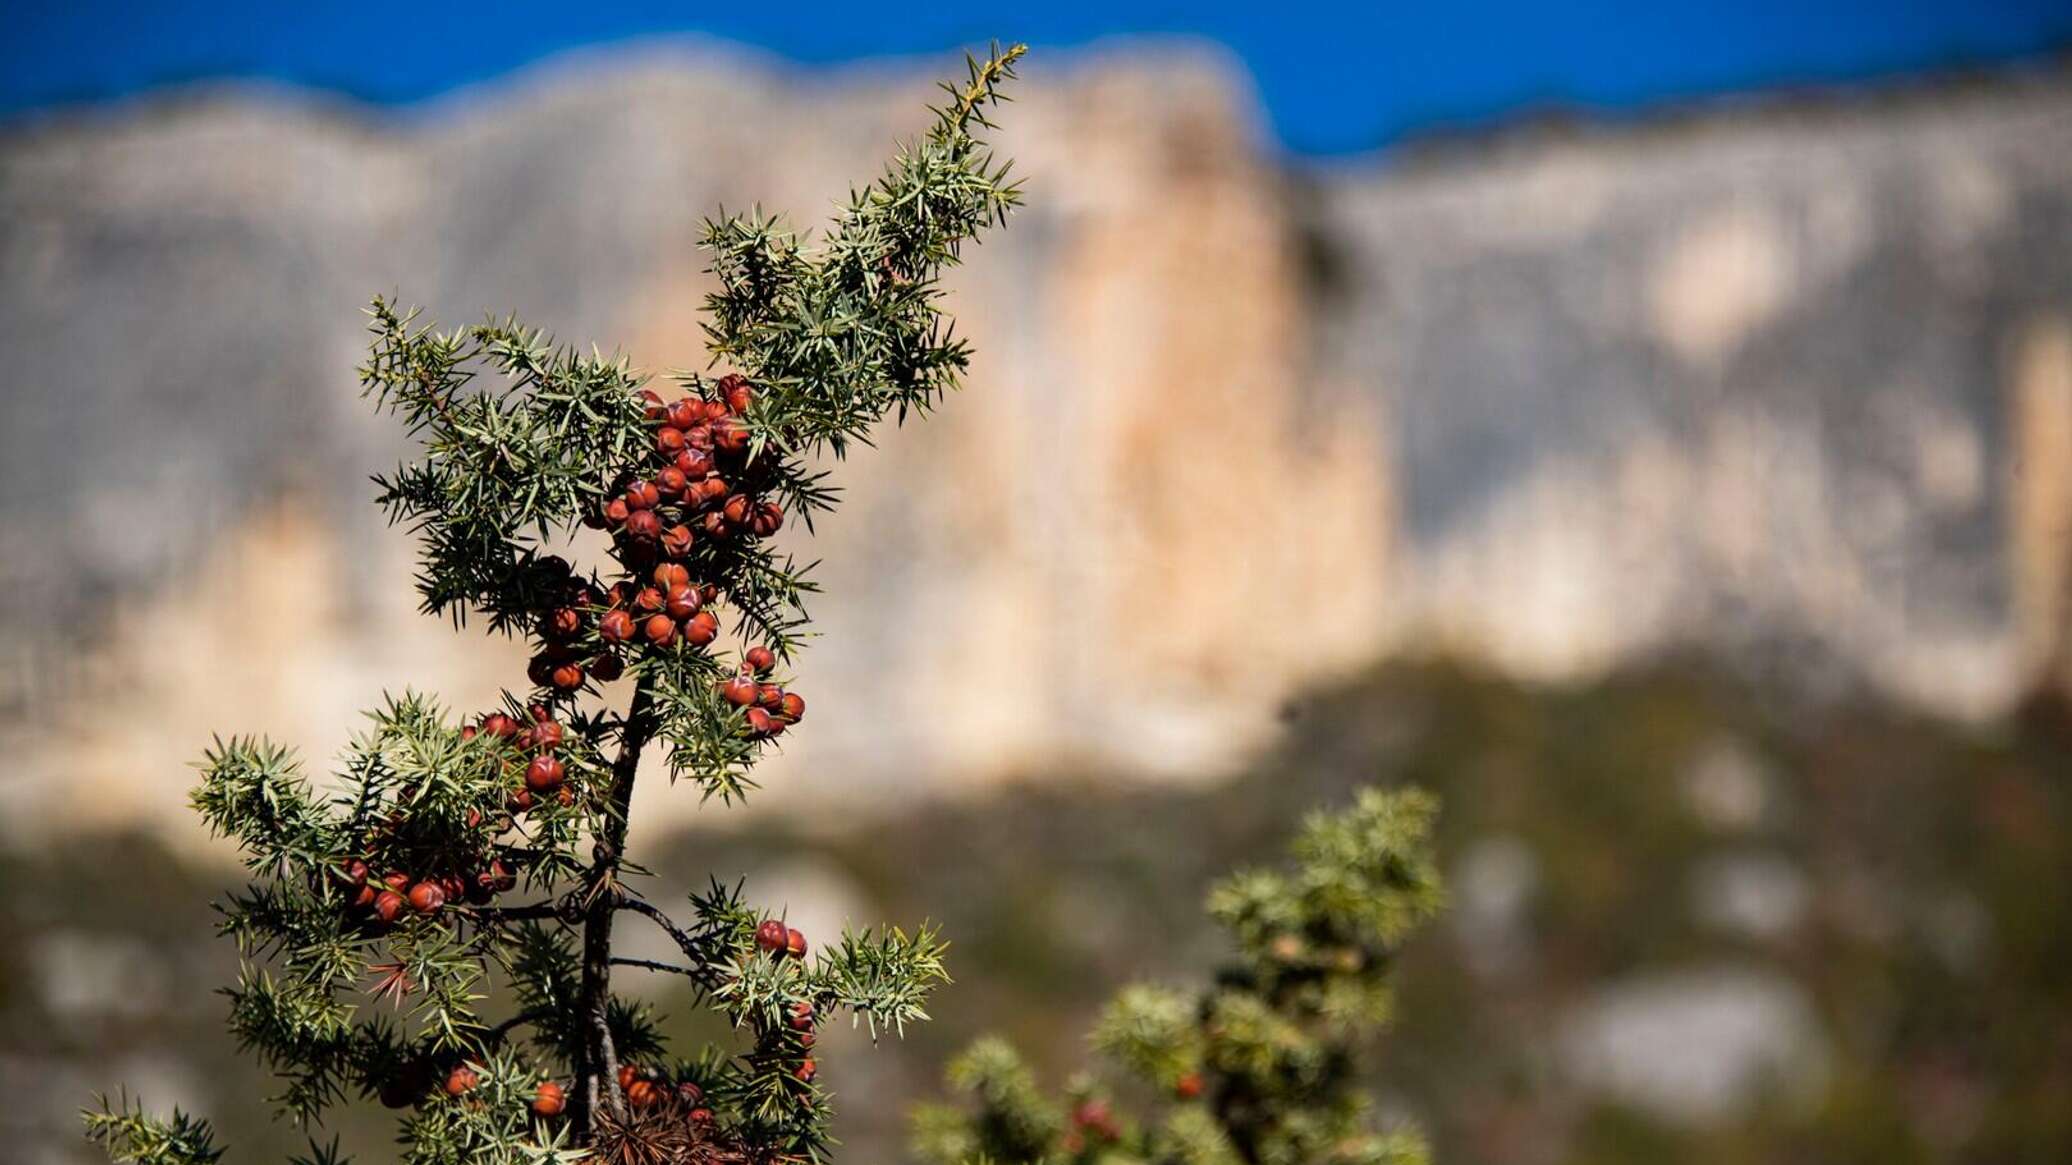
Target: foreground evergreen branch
<point>450,854</point>
<point>1261,1065</point>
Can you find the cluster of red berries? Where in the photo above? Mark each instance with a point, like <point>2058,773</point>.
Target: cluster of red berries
<point>563,663</point>
<point>646,1088</point>
<point>387,897</point>
<point>544,774</point>
<point>770,709</point>
<point>801,1025</point>
<point>669,608</point>
<point>700,485</point>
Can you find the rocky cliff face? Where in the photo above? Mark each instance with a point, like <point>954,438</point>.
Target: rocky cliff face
<point>1756,383</point>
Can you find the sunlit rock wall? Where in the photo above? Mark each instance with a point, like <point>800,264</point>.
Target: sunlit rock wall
<point>1752,382</point>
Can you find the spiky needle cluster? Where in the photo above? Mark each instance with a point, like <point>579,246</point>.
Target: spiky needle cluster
<point>1260,1066</point>
<point>391,885</point>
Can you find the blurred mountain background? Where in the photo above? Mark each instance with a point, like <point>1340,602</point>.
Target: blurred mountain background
<point>1685,495</point>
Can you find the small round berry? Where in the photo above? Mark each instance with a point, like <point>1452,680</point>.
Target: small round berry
<point>761,723</point>
<point>467,733</point>
<point>685,413</point>
<point>767,519</point>
<point>795,943</point>
<point>544,774</point>
<point>791,708</point>
<point>677,540</point>
<point>549,1100</point>
<point>1188,1087</point>
<point>643,1094</point>
<point>698,437</point>
<point>771,936</point>
<point>801,1016</point>
<point>616,511</point>
<point>627,1075</point>
<point>650,598</point>
<point>710,490</point>
<point>702,629</point>
<point>740,691</point>
<point>671,480</point>
<point>806,1070</point>
<point>567,677</point>
<point>643,525</point>
<point>397,881</point>
<point>759,659</point>
<point>682,602</point>
<point>352,872</point>
<point>548,735</point>
<point>702,1117</point>
<point>672,574</point>
<point>427,897</point>
<point>689,1095</point>
<point>735,390</point>
<point>659,629</point>
<point>770,696</point>
<point>388,904</point>
<point>694,464</point>
<point>499,725</point>
<point>364,897</point>
<point>642,495</point>
<point>461,1080</point>
<point>714,524</point>
<point>729,436</point>
<point>669,443</point>
<point>805,1041</point>
<point>561,623</point>
<point>519,801</point>
<point>738,509</point>
<point>498,876</point>
<point>615,627</point>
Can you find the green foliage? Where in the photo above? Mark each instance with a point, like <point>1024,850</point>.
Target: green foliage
<point>1260,1064</point>
<point>381,958</point>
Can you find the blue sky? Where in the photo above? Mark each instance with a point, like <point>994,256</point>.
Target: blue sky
<point>1334,78</point>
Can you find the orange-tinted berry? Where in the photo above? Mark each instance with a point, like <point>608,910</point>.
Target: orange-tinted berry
<point>500,725</point>
<point>702,629</point>
<point>669,443</point>
<point>643,525</point>
<point>427,897</point>
<point>1188,1087</point>
<point>759,659</point>
<point>801,1016</point>
<point>672,574</point>
<point>767,519</point>
<point>795,943</point>
<point>694,464</point>
<point>806,1070</point>
<point>735,390</point>
<point>685,413</point>
<point>671,481</point>
<point>643,1094</point>
<point>627,1075</point>
<point>740,691</point>
<point>616,511</point>
<point>677,540</point>
<point>567,677</point>
<point>461,1080</point>
<point>729,436</point>
<point>738,508</point>
<point>642,495</point>
<point>659,629</point>
<point>549,1100</point>
<point>791,707</point>
<point>649,598</point>
<point>761,723</point>
<point>769,696</point>
<point>615,627</point>
<point>682,602</point>
<point>544,774</point>
<point>388,904</point>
